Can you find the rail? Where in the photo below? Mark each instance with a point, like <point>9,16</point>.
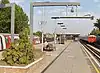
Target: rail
<point>93,55</point>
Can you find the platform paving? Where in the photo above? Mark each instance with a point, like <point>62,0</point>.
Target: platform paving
<point>72,60</point>
<point>50,56</point>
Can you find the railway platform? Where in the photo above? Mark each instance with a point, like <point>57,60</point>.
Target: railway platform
<point>68,58</point>
<point>50,56</point>
<point>72,60</point>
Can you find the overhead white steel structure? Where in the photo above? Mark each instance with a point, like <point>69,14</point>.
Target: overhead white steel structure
<point>12,5</point>
<point>73,17</point>
<point>38,4</point>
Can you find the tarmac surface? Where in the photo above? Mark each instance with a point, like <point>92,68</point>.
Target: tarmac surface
<point>72,60</point>
<point>68,58</point>
<point>50,56</point>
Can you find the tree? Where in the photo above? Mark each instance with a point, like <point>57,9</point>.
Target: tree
<point>38,33</point>
<point>21,19</point>
<point>95,32</point>
<point>5,16</point>
<point>97,24</point>
<point>4,1</point>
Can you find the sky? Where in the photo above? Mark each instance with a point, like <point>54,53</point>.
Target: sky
<point>82,26</point>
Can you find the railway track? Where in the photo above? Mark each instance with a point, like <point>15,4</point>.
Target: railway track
<point>93,53</point>
<point>96,45</point>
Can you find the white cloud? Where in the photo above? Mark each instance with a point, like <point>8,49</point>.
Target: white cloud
<point>38,1</point>
<point>80,7</point>
<point>16,1</point>
<point>73,0</point>
<point>96,1</point>
<point>39,12</point>
<point>42,0</point>
<point>98,5</point>
<point>56,10</point>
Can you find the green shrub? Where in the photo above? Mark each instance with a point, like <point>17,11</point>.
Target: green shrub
<point>20,52</point>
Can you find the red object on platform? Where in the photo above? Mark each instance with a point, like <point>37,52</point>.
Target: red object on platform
<point>8,41</point>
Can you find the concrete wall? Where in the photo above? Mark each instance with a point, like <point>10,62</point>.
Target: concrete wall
<point>15,69</point>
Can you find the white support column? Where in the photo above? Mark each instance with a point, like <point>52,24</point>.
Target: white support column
<point>31,23</point>
<point>42,25</point>
<point>66,10</point>
<point>60,37</point>
<point>55,34</point>
<point>76,10</point>
<point>55,37</point>
<point>12,21</point>
<point>42,37</point>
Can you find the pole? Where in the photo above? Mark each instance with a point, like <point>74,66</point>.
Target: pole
<point>55,37</point>
<point>60,37</point>
<point>12,21</point>
<point>42,36</point>
<point>55,34</point>
<point>31,23</point>
<point>76,11</point>
<point>66,10</point>
<point>42,23</point>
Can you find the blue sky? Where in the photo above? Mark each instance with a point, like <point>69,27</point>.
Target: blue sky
<point>81,26</point>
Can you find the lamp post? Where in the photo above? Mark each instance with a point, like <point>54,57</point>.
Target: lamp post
<point>65,33</point>
<point>61,35</point>
<point>60,31</point>
<point>42,23</point>
<point>42,34</point>
<point>55,35</point>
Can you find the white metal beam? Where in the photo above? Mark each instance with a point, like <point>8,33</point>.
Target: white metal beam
<point>31,23</point>
<point>74,17</point>
<point>36,4</point>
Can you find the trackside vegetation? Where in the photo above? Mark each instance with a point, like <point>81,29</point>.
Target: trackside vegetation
<point>20,52</point>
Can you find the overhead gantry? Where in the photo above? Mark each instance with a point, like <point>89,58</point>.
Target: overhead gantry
<point>38,4</point>
<point>74,17</point>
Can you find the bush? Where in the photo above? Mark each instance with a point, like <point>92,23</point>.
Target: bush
<point>20,52</point>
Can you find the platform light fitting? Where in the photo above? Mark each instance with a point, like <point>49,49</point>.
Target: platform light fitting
<point>64,28</point>
<point>72,9</point>
<point>59,23</point>
<point>62,25</point>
